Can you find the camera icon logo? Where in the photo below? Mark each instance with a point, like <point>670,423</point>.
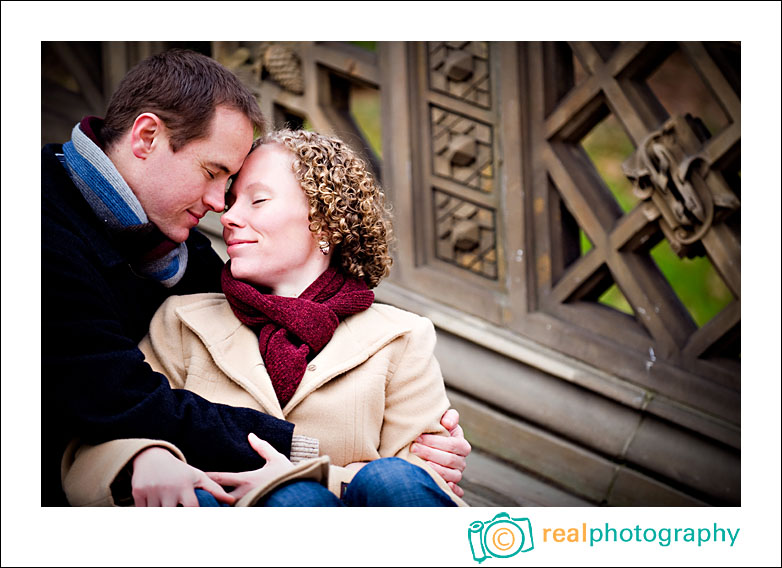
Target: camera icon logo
<point>501,537</point>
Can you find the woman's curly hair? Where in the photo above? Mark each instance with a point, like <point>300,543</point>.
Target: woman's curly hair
<point>347,206</point>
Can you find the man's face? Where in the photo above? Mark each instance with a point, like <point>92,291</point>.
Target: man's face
<point>177,189</point>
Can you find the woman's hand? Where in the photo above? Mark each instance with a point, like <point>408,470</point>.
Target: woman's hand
<point>243,482</point>
<point>161,480</point>
<point>446,455</point>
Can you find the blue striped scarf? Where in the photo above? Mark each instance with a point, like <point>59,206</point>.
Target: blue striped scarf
<point>116,205</point>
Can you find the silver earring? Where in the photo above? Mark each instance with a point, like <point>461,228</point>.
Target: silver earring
<point>324,247</point>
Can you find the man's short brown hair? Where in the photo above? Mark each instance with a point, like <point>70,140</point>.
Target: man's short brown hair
<point>183,88</point>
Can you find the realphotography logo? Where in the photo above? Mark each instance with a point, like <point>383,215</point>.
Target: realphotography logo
<point>664,536</point>
<point>504,536</point>
<point>501,537</point>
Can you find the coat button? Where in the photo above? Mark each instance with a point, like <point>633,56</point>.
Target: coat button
<point>311,367</point>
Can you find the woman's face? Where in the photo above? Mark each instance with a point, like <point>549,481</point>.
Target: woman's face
<point>266,226</point>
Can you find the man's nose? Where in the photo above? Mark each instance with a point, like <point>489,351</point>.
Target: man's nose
<point>215,198</point>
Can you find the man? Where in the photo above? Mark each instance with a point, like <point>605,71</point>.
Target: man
<point>119,205</point>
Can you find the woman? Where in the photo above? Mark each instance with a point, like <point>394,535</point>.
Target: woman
<point>296,335</point>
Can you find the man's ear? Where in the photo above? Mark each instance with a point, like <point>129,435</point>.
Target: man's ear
<point>146,134</point>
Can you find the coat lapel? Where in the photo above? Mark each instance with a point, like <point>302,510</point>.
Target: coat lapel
<point>355,340</point>
<point>234,348</point>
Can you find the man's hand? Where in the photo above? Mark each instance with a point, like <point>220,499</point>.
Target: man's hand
<point>243,482</point>
<point>447,456</point>
<point>161,480</point>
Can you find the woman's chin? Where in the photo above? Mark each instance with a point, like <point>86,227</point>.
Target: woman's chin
<point>237,271</point>
<point>247,276</point>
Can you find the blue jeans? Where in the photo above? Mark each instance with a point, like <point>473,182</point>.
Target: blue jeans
<point>387,482</point>
<point>206,499</point>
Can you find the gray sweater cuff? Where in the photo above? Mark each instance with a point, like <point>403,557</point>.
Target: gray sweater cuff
<point>303,447</point>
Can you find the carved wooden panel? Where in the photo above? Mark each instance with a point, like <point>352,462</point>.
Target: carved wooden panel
<point>308,85</point>
<point>685,182</point>
<point>461,69</point>
<point>451,94</point>
<point>466,234</point>
<point>507,187</point>
<point>462,150</point>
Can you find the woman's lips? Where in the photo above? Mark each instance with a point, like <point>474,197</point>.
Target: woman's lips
<point>234,245</point>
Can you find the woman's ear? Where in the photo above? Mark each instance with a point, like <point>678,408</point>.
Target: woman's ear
<point>146,134</point>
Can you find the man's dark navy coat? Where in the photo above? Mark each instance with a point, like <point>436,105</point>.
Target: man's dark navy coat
<point>95,383</point>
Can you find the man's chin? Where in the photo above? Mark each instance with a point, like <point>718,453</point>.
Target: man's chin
<point>178,235</point>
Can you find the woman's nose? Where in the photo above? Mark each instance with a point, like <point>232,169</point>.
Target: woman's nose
<point>230,217</point>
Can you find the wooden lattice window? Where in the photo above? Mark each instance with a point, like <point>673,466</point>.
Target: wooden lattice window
<point>516,221</point>
<point>684,203</point>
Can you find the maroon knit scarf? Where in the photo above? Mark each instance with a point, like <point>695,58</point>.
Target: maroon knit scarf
<point>291,331</point>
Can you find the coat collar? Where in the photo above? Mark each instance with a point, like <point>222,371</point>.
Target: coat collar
<point>234,348</point>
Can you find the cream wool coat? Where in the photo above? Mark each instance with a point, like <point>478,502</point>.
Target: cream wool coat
<point>368,394</point>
